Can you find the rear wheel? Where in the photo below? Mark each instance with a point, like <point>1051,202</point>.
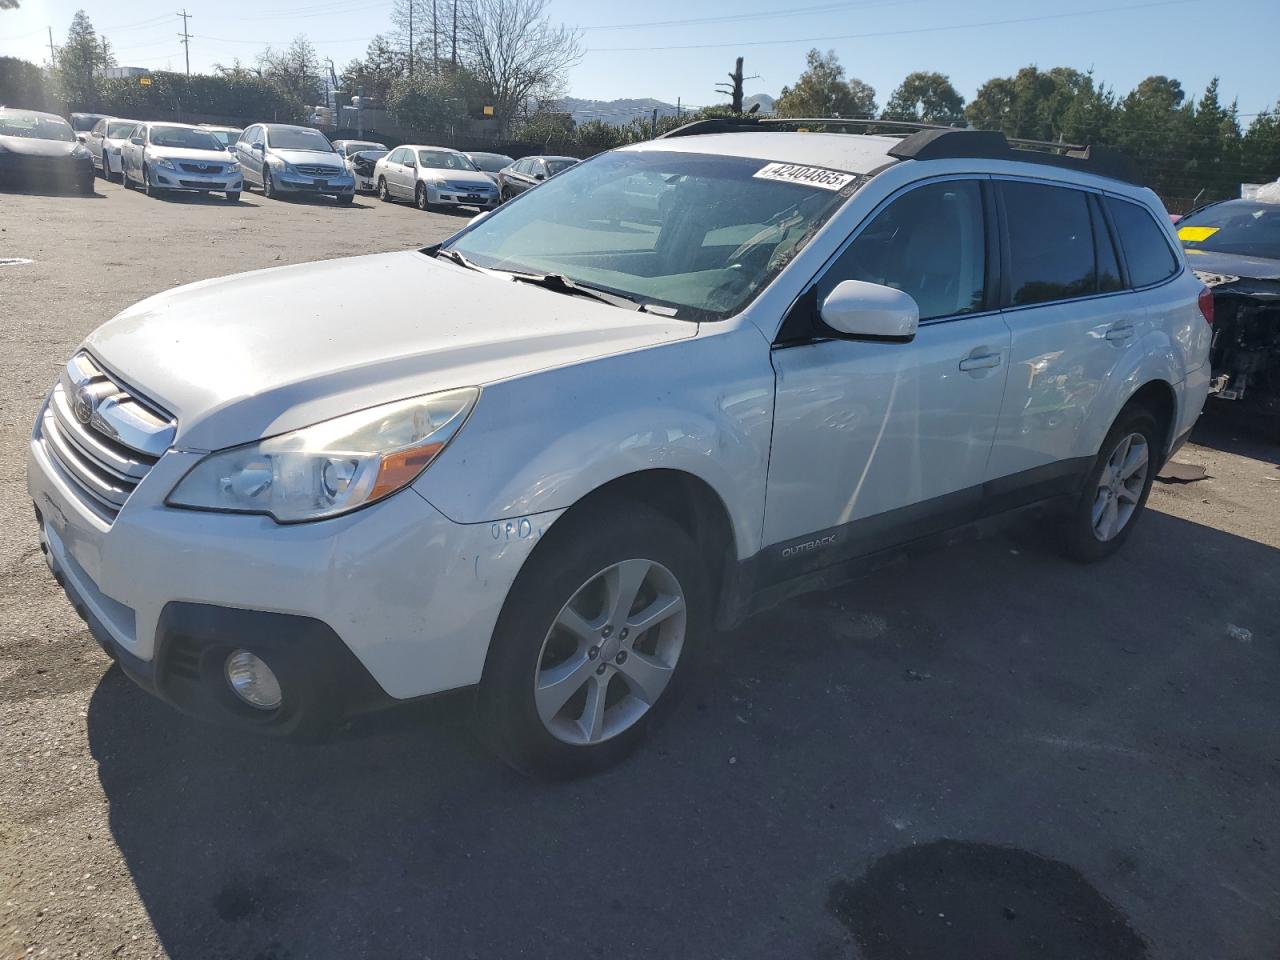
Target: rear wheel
<point>594,637</point>
<point>1116,489</point>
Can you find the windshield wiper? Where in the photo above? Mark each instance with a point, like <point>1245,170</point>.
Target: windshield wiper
<point>562,284</point>
<point>454,256</point>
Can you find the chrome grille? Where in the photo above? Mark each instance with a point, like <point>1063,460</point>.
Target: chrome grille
<point>201,167</point>
<point>103,437</point>
<point>314,170</point>
<point>472,187</point>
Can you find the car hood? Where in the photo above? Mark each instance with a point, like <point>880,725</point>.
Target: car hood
<point>185,153</point>
<point>248,356</point>
<point>1234,265</point>
<point>308,156</point>
<point>31,147</point>
<point>458,176</point>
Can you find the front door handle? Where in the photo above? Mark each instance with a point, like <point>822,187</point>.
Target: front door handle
<point>1121,331</point>
<point>983,362</point>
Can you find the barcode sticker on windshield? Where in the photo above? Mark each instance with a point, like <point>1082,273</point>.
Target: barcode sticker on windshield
<point>808,176</point>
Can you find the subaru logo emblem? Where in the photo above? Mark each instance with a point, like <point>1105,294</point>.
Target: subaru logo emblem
<point>82,405</point>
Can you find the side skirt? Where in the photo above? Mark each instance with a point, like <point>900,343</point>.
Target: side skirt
<point>834,556</point>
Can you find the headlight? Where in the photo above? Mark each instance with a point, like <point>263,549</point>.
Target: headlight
<point>331,467</point>
<point>437,181</point>
<point>164,162</point>
<point>233,165</point>
<point>80,152</point>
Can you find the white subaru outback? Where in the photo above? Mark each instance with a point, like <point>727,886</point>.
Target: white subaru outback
<point>668,387</point>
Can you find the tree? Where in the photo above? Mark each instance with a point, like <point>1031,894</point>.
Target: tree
<point>927,97</point>
<point>8,4</point>
<point>823,91</point>
<point>294,71</point>
<point>517,53</point>
<point>1056,104</point>
<point>79,63</point>
<point>433,101</point>
<point>383,65</point>
<point>1260,149</point>
<point>423,34</point>
<point>22,84</point>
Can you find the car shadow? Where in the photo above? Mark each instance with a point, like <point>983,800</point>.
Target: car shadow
<point>37,191</point>
<point>309,200</point>
<point>1235,427</point>
<point>986,693</point>
<point>207,199</point>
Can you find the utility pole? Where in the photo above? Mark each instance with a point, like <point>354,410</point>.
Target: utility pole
<point>435,38</point>
<point>654,135</point>
<point>453,56</point>
<point>679,112</point>
<point>412,4</point>
<point>53,57</point>
<point>186,39</point>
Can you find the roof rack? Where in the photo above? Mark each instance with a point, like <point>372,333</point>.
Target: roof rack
<point>932,141</point>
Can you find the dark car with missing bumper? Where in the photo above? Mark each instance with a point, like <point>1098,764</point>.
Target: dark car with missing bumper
<point>41,150</point>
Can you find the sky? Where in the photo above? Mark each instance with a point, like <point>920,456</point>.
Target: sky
<point>677,49</point>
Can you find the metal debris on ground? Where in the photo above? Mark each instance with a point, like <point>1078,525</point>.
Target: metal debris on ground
<point>1239,633</point>
<point>1175,472</point>
<point>13,261</point>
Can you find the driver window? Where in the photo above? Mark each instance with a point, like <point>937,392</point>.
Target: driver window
<point>929,243</point>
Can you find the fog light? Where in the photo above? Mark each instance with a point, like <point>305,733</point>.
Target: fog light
<point>252,680</point>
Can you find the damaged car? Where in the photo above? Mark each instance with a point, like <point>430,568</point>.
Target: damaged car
<point>1234,247</point>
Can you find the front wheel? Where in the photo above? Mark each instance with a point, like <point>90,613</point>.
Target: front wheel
<point>420,199</point>
<point>383,193</point>
<point>147,187</point>
<point>1116,489</point>
<point>268,187</point>
<point>595,634</point>
<point>346,199</point>
<point>233,196</point>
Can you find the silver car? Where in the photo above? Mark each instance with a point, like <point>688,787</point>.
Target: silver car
<point>105,142</point>
<point>433,177</point>
<point>285,159</point>
<point>359,157</point>
<point>164,157</point>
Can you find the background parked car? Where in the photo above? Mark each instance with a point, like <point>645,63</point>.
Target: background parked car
<point>162,157</point>
<point>82,123</point>
<point>40,149</point>
<point>490,163</point>
<point>282,159</point>
<point>105,142</point>
<point>530,172</point>
<point>360,157</point>
<point>225,135</point>
<point>433,177</point>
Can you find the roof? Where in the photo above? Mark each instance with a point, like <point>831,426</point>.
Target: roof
<point>835,151</point>
<point>34,113</point>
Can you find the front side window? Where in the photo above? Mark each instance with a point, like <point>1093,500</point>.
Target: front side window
<point>118,130</point>
<point>298,138</point>
<point>1146,251</point>
<point>555,166</point>
<point>1051,252</point>
<point>225,137</point>
<point>930,243</point>
<point>696,233</point>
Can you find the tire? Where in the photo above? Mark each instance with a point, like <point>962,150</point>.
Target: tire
<point>268,190</point>
<point>420,199</point>
<point>233,196</point>
<point>580,557</point>
<point>147,188</point>
<point>383,193</point>
<point>1091,532</point>
<point>503,195</point>
<point>124,178</point>
<point>346,199</point>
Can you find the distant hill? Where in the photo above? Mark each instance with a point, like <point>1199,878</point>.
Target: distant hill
<point>616,112</point>
<point>766,102</point>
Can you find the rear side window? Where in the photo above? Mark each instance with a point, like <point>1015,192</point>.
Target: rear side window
<point>1051,246</point>
<point>930,243</point>
<point>1146,251</point>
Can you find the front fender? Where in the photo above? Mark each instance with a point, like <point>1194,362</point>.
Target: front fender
<point>540,442</point>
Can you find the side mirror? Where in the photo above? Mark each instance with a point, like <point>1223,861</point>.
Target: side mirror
<point>258,147</point>
<point>82,137</point>
<point>136,141</point>
<point>869,311</point>
<point>539,176</point>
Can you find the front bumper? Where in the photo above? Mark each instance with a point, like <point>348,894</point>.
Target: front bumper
<point>287,181</point>
<point>451,197</point>
<point>409,595</point>
<point>184,180</point>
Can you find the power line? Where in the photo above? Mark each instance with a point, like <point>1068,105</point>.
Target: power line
<point>897,33</point>
<point>736,18</point>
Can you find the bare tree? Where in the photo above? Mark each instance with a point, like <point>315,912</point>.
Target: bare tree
<point>294,71</point>
<point>515,50</point>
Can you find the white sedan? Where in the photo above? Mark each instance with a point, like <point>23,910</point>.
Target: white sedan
<point>105,141</point>
<point>164,157</point>
<point>433,177</point>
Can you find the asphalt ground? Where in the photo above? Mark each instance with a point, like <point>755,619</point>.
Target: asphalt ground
<point>986,752</point>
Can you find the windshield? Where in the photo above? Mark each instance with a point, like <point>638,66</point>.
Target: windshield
<point>353,148</point>
<point>703,234</point>
<point>84,122</point>
<point>298,138</point>
<point>183,138</point>
<point>490,162</point>
<point>556,165</point>
<point>119,129</point>
<point>226,137</point>
<point>1240,227</point>
<point>35,127</point>
<point>444,160</point>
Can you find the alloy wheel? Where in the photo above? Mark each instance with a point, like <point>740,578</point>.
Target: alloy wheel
<point>1120,486</point>
<point>610,652</point>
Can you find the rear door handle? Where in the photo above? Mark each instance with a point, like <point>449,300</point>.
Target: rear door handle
<point>982,362</point>
<point>1121,331</point>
